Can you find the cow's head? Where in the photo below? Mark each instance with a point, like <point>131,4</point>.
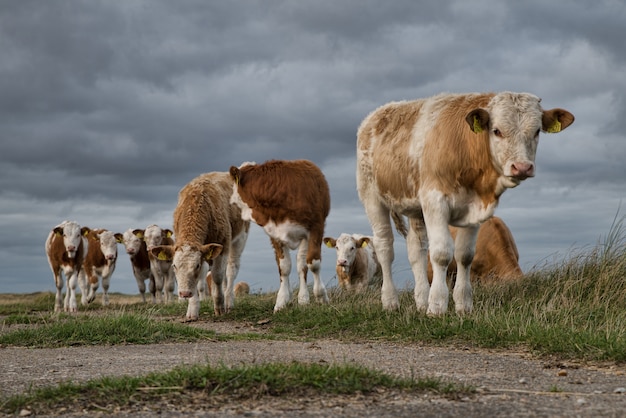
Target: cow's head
<point>72,234</point>
<point>513,122</point>
<point>108,244</point>
<point>188,263</point>
<point>154,235</point>
<point>133,240</point>
<point>346,246</point>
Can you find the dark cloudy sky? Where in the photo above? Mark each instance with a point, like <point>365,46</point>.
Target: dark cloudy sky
<point>108,108</point>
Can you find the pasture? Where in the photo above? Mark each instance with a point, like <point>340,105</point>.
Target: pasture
<point>569,312</point>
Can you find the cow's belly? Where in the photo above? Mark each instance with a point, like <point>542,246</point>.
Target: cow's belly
<point>289,233</point>
<point>471,212</point>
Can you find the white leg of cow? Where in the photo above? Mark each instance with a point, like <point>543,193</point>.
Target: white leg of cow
<point>303,291</point>
<point>283,259</point>
<point>193,306</point>
<point>58,282</point>
<point>70,296</point>
<point>417,248</point>
<point>83,284</point>
<point>170,283</point>
<point>158,284</point>
<point>319,290</point>
<point>152,287</point>
<point>383,242</point>
<point>441,253</point>
<point>464,249</point>
<point>106,281</point>
<point>234,262</point>
<point>202,286</point>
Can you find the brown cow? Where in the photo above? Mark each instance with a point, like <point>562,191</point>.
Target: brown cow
<point>208,228</point>
<point>290,200</point>
<point>66,246</point>
<point>442,161</point>
<point>138,252</point>
<point>99,264</point>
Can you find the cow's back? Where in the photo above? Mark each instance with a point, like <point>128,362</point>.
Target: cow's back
<point>203,213</point>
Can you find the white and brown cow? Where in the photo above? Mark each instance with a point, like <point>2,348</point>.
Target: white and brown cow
<point>138,252</point>
<point>442,161</point>
<point>99,264</point>
<point>208,228</point>
<point>290,200</point>
<point>66,247</point>
<point>357,266</point>
<point>161,268</point>
<point>240,289</point>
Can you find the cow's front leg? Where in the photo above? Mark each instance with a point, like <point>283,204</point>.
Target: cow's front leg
<point>70,296</point>
<point>383,243</point>
<point>441,253</point>
<point>314,262</point>
<point>193,306</point>
<point>283,260</point>
<point>464,249</point>
<point>58,300</point>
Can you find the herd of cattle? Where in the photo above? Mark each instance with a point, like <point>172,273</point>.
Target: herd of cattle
<point>441,162</point>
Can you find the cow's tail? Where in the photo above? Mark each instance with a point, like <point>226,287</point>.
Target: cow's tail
<point>400,225</point>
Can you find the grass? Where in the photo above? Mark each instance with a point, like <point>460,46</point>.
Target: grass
<point>574,309</point>
<point>185,385</point>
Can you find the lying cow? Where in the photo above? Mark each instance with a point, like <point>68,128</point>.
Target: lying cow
<point>440,161</point>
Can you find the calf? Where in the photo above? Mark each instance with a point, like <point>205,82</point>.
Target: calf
<point>241,288</point>
<point>66,246</point>
<point>137,250</point>
<point>99,264</point>
<point>290,200</point>
<point>440,161</point>
<point>357,265</point>
<point>209,229</point>
<point>161,268</point>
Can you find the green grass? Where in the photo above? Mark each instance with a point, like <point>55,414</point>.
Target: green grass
<point>184,384</point>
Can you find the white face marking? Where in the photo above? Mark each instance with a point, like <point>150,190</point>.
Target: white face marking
<point>132,242</point>
<point>187,265</point>
<point>288,232</point>
<point>346,250</point>
<point>153,235</point>
<point>108,245</point>
<point>72,237</point>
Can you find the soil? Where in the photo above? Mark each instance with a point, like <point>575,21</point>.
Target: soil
<point>505,383</point>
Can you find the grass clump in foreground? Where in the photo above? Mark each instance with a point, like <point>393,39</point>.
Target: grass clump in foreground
<point>199,384</point>
<point>108,329</point>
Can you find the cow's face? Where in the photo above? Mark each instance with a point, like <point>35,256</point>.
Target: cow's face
<point>188,263</point>
<point>153,236</point>
<point>133,238</point>
<point>513,122</point>
<point>72,237</point>
<point>108,245</point>
<point>347,247</point>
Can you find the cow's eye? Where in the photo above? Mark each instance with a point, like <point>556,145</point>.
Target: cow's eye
<point>497,133</point>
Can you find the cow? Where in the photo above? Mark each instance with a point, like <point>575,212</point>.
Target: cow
<point>99,264</point>
<point>66,246</point>
<point>161,269</point>
<point>140,261</point>
<point>208,229</point>
<point>357,265</point>
<point>444,160</point>
<point>290,200</point>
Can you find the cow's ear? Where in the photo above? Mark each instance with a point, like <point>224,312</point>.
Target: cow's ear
<point>235,173</point>
<point>162,252</point>
<point>85,231</point>
<point>363,242</point>
<point>119,238</point>
<point>138,233</point>
<point>58,231</point>
<point>555,120</point>
<point>478,120</point>
<point>210,251</point>
<point>168,233</point>
<point>330,242</point>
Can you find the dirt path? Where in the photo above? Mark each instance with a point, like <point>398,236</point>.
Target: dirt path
<point>508,384</point>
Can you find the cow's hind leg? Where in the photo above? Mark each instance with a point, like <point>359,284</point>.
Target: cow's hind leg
<point>70,296</point>
<point>234,262</point>
<point>283,260</point>
<point>313,263</point>
<point>417,248</point>
<point>464,249</point>
<point>218,273</point>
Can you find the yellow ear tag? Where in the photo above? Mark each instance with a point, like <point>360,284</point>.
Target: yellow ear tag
<point>364,244</point>
<point>328,244</point>
<point>162,256</point>
<point>140,235</point>
<point>169,234</point>
<point>237,179</point>
<point>209,254</point>
<point>477,128</point>
<point>556,127</point>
